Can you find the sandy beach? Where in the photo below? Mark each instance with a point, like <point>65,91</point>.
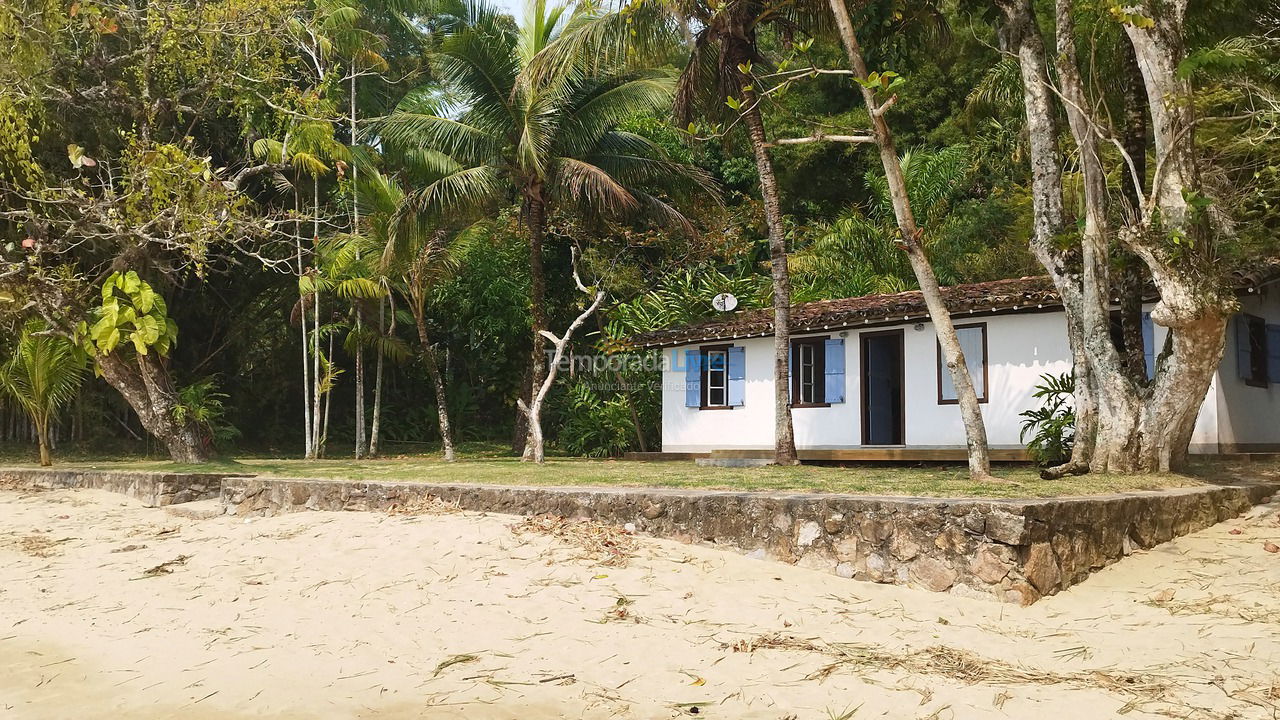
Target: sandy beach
<point>111,610</point>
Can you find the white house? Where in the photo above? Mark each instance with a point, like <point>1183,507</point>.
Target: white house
<point>867,374</point>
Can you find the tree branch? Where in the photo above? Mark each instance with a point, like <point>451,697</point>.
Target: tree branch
<point>822,137</point>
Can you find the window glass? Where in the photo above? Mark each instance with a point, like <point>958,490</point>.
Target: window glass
<point>717,378</point>
<point>808,379</point>
<point>973,341</point>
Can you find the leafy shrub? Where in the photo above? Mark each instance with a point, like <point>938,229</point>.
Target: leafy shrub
<point>201,404</point>
<point>1052,426</point>
<point>593,425</point>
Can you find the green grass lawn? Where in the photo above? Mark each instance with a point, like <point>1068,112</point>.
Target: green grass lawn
<point>485,464</point>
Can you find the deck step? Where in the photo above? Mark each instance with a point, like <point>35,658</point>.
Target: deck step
<point>880,454</point>
<point>664,456</point>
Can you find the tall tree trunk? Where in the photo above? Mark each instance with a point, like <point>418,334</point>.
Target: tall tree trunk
<point>437,384</point>
<point>912,239</point>
<point>1130,286</point>
<point>784,441</point>
<point>359,369</point>
<point>1021,36</point>
<point>309,436</point>
<point>144,383</point>
<point>361,447</point>
<point>1115,388</point>
<point>536,211</point>
<point>328,405</point>
<point>1139,427</point>
<point>315,333</point>
<point>376,426</point>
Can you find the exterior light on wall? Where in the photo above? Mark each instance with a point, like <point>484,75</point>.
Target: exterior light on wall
<point>919,327</point>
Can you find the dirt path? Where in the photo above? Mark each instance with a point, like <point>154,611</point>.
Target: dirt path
<point>327,615</point>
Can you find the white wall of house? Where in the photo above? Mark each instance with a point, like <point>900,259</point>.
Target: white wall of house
<point>1021,347</point>
<point>1248,416</point>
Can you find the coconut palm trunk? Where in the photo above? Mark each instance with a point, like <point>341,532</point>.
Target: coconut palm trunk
<point>437,385</point>
<point>375,425</point>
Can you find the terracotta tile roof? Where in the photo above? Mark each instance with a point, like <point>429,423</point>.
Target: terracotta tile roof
<point>1026,294</point>
<point>1011,295</point>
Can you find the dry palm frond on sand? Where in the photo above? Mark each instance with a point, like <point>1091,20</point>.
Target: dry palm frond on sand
<point>604,544</point>
<point>166,567</point>
<point>1225,606</point>
<point>41,546</point>
<point>955,664</point>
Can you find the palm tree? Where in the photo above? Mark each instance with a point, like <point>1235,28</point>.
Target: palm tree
<point>498,134</point>
<point>722,38</point>
<point>346,266</point>
<point>42,376</point>
<point>415,259</point>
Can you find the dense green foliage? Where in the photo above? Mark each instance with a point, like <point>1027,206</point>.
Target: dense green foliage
<point>289,171</point>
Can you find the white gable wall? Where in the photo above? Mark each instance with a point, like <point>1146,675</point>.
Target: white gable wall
<point>1248,418</point>
<point>1020,348</point>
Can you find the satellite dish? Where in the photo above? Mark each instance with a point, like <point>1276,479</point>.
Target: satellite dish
<point>724,302</point>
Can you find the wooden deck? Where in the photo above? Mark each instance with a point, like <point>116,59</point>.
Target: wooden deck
<point>859,454</point>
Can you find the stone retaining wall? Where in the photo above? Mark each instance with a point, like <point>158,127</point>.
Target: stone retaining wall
<point>1010,550</point>
<point>154,489</point>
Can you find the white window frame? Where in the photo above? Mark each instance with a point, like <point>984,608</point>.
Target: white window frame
<point>982,371</point>
<point>808,373</point>
<point>710,357</point>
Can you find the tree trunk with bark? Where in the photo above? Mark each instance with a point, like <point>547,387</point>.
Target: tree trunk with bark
<point>361,441</point>
<point>144,383</point>
<point>375,426</point>
<point>1130,285</point>
<point>437,384</point>
<point>309,436</point>
<point>913,244</point>
<point>1140,427</point>
<point>42,439</point>
<point>536,452</point>
<point>1022,37</point>
<point>784,442</point>
<point>536,217</point>
<point>359,383</point>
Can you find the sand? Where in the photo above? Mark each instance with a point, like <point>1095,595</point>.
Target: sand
<point>361,615</point>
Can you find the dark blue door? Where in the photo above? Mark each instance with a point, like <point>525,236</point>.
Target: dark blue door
<point>882,388</point>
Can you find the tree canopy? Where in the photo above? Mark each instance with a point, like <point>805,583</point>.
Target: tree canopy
<point>352,222</point>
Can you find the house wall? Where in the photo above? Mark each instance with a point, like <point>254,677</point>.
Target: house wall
<point>1020,349</point>
<point>1248,418</point>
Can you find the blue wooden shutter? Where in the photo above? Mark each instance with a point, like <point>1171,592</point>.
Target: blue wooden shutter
<point>833,391</point>
<point>692,378</point>
<point>1273,353</point>
<point>737,375</point>
<point>1149,344</point>
<point>1244,352</point>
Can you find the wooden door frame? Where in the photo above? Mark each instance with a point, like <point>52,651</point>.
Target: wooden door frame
<point>902,385</point>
